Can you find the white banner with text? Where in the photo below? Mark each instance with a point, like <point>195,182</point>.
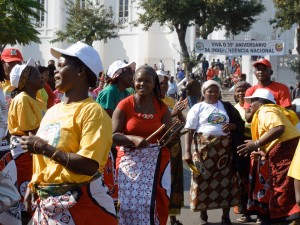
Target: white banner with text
<point>232,47</point>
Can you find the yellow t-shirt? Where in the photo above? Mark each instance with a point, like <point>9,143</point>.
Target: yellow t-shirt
<point>43,94</point>
<point>81,127</point>
<point>247,132</point>
<point>7,89</point>
<point>25,114</point>
<point>270,117</point>
<point>294,170</point>
<point>170,102</point>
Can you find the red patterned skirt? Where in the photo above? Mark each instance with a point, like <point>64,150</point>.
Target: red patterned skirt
<point>109,176</point>
<point>144,184</point>
<point>283,206</point>
<point>87,204</point>
<point>259,194</point>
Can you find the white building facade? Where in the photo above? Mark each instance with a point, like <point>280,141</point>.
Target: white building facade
<point>159,43</point>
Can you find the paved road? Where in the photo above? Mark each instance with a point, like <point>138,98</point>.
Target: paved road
<point>188,217</point>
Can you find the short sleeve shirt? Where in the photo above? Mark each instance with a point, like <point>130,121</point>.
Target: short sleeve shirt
<point>134,125</point>
<point>270,117</point>
<point>80,127</point>
<point>207,118</point>
<point>25,114</point>
<point>110,96</point>
<point>280,91</point>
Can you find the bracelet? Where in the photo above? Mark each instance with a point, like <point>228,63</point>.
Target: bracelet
<point>257,143</point>
<point>68,159</point>
<point>34,145</point>
<point>53,155</point>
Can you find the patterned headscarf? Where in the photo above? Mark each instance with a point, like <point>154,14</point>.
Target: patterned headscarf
<point>24,77</point>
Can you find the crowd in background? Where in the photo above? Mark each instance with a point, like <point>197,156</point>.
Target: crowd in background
<point>81,144</point>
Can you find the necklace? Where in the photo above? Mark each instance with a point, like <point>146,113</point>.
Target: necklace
<point>146,115</point>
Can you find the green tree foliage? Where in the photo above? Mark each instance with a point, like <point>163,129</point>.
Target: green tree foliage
<point>288,14</point>
<point>295,65</point>
<point>16,22</point>
<point>234,16</point>
<point>89,23</point>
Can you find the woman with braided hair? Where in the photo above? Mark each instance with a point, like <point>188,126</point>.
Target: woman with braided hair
<point>24,117</point>
<point>143,166</point>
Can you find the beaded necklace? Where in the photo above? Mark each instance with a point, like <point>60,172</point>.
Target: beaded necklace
<point>146,116</point>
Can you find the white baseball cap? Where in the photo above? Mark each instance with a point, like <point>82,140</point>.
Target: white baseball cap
<point>161,74</point>
<point>262,93</point>
<point>16,72</point>
<point>116,65</point>
<point>86,53</point>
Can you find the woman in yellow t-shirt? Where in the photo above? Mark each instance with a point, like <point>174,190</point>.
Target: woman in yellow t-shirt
<point>71,148</point>
<point>274,133</point>
<point>25,115</point>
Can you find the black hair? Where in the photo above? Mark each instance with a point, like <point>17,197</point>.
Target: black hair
<point>156,89</point>
<point>2,73</point>
<point>52,61</point>
<point>42,69</point>
<point>51,68</point>
<point>92,77</point>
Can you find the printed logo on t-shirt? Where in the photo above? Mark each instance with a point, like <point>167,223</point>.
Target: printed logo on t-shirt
<point>50,133</point>
<point>216,118</point>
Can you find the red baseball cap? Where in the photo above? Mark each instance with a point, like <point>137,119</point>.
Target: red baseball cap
<point>264,62</point>
<point>11,55</point>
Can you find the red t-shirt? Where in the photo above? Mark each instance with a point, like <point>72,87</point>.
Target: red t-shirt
<point>238,72</point>
<point>210,73</point>
<point>280,91</point>
<point>134,125</point>
<point>51,96</point>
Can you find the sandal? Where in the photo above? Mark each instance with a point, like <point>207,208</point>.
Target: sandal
<point>203,218</point>
<point>226,221</point>
<point>244,219</point>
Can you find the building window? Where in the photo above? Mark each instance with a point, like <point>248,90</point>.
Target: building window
<point>40,22</point>
<point>82,4</point>
<point>123,11</point>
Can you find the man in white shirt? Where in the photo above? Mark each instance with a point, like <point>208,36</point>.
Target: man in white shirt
<point>161,65</point>
<point>172,90</point>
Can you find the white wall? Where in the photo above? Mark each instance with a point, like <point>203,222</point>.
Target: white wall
<point>159,43</point>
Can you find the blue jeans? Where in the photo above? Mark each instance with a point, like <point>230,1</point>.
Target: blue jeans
<point>192,100</point>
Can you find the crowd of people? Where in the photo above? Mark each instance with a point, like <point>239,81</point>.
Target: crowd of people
<point>80,145</point>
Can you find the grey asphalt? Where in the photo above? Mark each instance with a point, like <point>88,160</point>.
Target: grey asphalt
<point>187,217</point>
